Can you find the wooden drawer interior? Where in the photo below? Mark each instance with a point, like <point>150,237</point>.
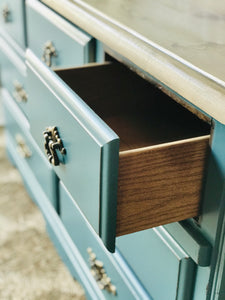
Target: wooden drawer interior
<point>163,146</point>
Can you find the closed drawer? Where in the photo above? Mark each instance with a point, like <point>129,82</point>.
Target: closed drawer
<point>22,146</point>
<point>164,268</point>
<point>96,257</point>
<point>54,40</point>
<point>12,20</point>
<point>161,156</point>
<point>13,75</point>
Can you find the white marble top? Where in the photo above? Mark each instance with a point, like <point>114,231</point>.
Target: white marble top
<point>181,43</point>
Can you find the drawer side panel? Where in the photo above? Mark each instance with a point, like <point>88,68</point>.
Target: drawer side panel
<point>165,187</point>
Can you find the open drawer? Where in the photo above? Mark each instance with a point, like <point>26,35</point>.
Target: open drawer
<point>133,158</point>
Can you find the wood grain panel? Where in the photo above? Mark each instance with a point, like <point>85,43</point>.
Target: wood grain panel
<point>160,184</point>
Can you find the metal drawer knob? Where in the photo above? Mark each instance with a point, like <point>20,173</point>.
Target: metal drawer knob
<point>48,53</point>
<point>22,148</point>
<point>5,13</point>
<point>52,144</point>
<point>19,93</point>
<point>99,273</point>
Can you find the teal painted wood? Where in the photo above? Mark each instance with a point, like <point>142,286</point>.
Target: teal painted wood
<point>213,217</point>
<point>164,268</point>
<point>14,24</point>
<point>221,275</point>
<point>13,44</point>
<point>90,144</point>
<point>84,237</point>
<point>17,126</point>
<point>72,258</point>
<point>100,54</point>
<point>210,221</point>
<point>201,283</point>
<point>192,240</point>
<point>68,251</point>
<point>13,73</point>
<point>72,46</point>
<point>108,193</point>
<point>58,234</point>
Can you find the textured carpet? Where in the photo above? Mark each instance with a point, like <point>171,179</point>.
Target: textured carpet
<point>30,268</point>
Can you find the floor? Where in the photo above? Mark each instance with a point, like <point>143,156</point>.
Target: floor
<point>30,268</point>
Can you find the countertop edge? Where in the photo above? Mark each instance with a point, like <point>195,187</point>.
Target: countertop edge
<point>206,93</point>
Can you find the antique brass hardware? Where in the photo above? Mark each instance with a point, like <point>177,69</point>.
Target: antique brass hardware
<point>22,148</point>
<point>6,13</point>
<point>49,52</point>
<point>19,93</point>
<point>52,144</point>
<point>99,273</point>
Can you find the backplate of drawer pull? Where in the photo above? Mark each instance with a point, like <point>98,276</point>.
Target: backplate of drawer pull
<point>48,53</point>
<point>99,273</point>
<point>19,93</point>
<point>22,148</point>
<point>6,13</point>
<point>53,143</point>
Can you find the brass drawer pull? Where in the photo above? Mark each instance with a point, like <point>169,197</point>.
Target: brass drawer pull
<point>5,13</point>
<point>99,273</point>
<point>22,148</point>
<point>52,144</point>
<point>49,52</point>
<point>19,93</point>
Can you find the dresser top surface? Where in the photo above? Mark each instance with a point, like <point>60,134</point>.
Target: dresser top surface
<point>180,44</point>
<point>192,30</point>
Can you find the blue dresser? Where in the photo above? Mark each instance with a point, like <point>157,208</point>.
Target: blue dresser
<point>118,132</point>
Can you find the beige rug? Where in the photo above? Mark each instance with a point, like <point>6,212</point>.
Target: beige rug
<point>30,268</point>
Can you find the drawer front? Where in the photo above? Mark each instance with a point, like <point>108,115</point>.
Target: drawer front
<point>12,20</point>
<point>54,40</point>
<point>26,150</point>
<point>95,255</point>
<point>13,75</point>
<point>165,269</point>
<point>86,139</point>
